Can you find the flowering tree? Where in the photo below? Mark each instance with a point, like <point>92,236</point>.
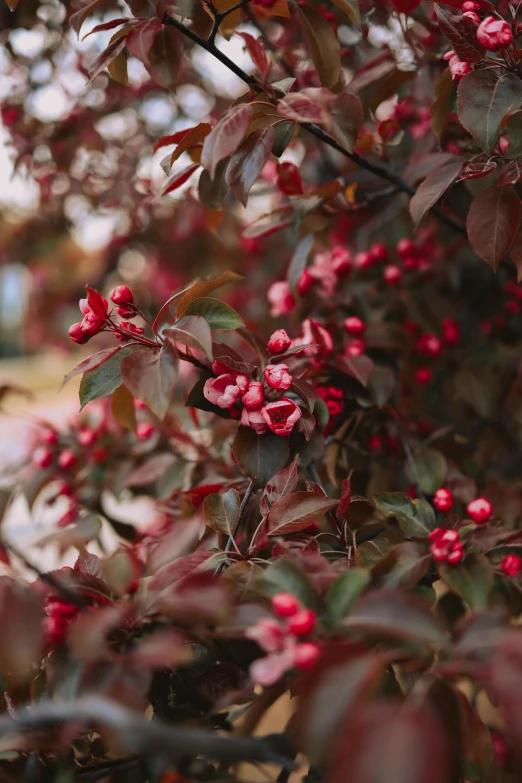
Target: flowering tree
<point>334,451</point>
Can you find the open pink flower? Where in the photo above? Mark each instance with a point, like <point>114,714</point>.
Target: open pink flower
<point>222,391</point>
<point>494,34</point>
<point>278,377</point>
<point>254,396</point>
<point>281,415</point>
<point>254,419</point>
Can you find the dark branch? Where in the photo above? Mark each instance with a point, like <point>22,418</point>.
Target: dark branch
<point>314,130</point>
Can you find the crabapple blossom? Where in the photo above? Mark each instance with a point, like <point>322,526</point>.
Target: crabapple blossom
<point>279,342</point>
<point>494,34</point>
<point>280,416</point>
<point>278,377</point>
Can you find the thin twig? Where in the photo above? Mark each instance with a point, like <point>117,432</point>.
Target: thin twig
<point>220,16</point>
<point>230,543</point>
<point>314,130</point>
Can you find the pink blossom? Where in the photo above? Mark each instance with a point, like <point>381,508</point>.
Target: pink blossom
<point>281,415</point>
<point>494,34</point>
<point>281,299</point>
<point>278,377</point>
<point>222,391</point>
<point>266,671</point>
<point>254,419</point>
<point>314,332</point>
<point>268,633</point>
<point>458,68</point>
<point>254,396</point>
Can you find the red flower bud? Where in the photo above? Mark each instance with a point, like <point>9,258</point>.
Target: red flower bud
<point>479,510</point>
<point>494,34</point>
<point>429,345</point>
<point>122,295</point>
<point>289,179</point>
<point>392,274</point>
<point>302,623</point>
<point>42,457</point>
<point>86,436</point>
<point>97,303</point>
<point>126,312</point>
<point>355,348</point>
<point>423,376</point>
<point>78,334</point>
<point>354,326</point>
<point>443,500</point>
<point>511,565</point>
<point>279,342</point>
<point>254,396</point>
<point>66,459</point>
<point>145,430</point>
<point>306,655</point>
<point>285,604</point>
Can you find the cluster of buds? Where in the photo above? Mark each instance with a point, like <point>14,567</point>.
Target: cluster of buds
<point>246,399</point>
<point>328,269</point>
<point>279,639</point>
<point>446,546</point>
<point>492,34</point>
<point>443,500</point>
<point>97,318</point>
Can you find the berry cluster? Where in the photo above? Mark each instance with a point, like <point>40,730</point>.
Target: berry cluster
<point>446,546</point>
<point>278,638</point>
<point>97,318</point>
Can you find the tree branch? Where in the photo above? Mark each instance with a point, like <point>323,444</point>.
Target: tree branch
<point>218,18</point>
<point>314,130</point>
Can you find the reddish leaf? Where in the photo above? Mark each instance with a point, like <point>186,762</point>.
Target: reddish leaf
<point>337,686</point>
<point>92,362</point>
<point>105,57</point>
<point>222,511</point>
<point>174,138</point>
<point>259,456</point>
<point>203,288</point>
<point>391,742</point>
<point>312,104</point>
<point>122,407</point>
<point>224,138</point>
<point>269,224</point>
<point>161,650</point>
<point>347,116</point>
<point>297,511</point>
<point>484,97</point>
<point>192,331</point>
<point>179,178</point>
<point>12,4</point>
<point>257,52</point>
<point>343,509</point>
<point>78,18</point>
<point>461,32</point>
<point>109,25</point>
<point>150,375</point>
<point>358,367</point>
<point>511,174</point>
<point>322,44</point>
<point>140,40</point>
<point>246,163</point>
<point>477,169</point>
<point>170,573</point>
<point>166,57</point>
<point>433,187</point>
<point>191,138</point>
<point>279,485</point>
<point>21,611</point>
<point>492,223</point>
<point>505,685</point>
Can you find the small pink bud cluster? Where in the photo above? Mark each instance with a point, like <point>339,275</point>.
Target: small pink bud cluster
<point>328,268</point>
<point>443,500</point>
<point>245,397</point>
<point>279,639</point>
<point>458,68</point>
<point>494,34</point>
<point>446,546</point>
<point>96,317</point>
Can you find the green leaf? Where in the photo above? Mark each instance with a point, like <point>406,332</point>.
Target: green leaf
<point>150,375</point>
<point>297,511</point>
<point>344,591</point>
<point>105,378</point>
<point>222,511</point>
<point>484,98</point>
<point>416,518</point>
<point>216,313</point>
<point>285,576</point>
<point>472,579</point>
<point>431,468</point>
<point>259,456</point>
<point>192,331</point>
<point>203,288</point>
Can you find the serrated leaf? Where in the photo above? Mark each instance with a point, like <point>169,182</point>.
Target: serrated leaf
<point>431,468</point>
<point>192,331</point>
<point>492,223</point>
<point>461,32</point>
<point>259,457</point>
<point>432,189</point>
<point>150,375</point>
<point>105,378</point>
<point>484,98</point>
<point>222,511</point>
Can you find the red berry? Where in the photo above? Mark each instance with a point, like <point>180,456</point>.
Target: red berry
<point>429,345</point>
<point>302,623</point>
<point>66,459</point>
<point>450,331</point>
<point>306,655</point>
<point>50,437</point>
<point>355,348</point>
<point>378,252</point>
<point>145,430</point>
<point>443,500</point>
<point>406,247</point>
<point>423,376</point>
<point>42,457</point>
<point>354,326</point>
<point>122,295</point>
<point>363,260</point>
<point>455,556</point>
<point>479,510</point>
<point>374,443</point>
<point>511,565</point>
<point>285,605</point>
<point>86,437</point>
<point>78,334</point>
<point>392,274</point>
